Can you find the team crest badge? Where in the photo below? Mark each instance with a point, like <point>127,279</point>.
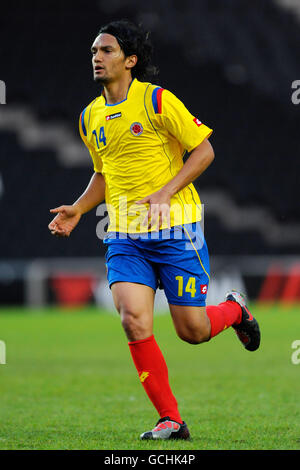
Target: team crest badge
<point>136,128</point>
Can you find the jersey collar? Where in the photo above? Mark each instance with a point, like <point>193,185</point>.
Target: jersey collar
<point>115,104</point>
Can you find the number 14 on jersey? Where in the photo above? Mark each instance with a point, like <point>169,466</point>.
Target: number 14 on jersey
<point>101,137</point>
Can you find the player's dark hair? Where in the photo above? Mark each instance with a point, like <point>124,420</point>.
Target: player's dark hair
<point>133,40</point>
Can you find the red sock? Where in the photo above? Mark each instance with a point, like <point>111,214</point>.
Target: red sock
<point>223,315</point>
<point>153,374</point>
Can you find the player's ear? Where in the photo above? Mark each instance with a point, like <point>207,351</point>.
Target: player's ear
<point>131,61</point>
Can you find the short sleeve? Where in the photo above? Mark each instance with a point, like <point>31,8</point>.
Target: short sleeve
<point>176,118</point>
<point>83,133</point>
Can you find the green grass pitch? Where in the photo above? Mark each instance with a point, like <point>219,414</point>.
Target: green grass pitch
<point>69,383</point>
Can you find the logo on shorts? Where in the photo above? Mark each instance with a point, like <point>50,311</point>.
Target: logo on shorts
<point>196,121</point>
<point>203,288</point>
<point>144,376</point>
<point>136,128</point>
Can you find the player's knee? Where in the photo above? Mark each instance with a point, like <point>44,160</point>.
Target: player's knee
<point>133,324</point>
<point>129,320</point>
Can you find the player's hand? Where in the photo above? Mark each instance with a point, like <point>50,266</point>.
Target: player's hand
<point>159,209</point>
<point>65,221</point>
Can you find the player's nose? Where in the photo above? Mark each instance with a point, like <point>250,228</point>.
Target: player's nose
<point>98,57</point>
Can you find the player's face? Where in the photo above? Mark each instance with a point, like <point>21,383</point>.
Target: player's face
<point>109,62</point>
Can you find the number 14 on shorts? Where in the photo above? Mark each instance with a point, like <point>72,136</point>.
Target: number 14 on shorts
<point>189,287</point>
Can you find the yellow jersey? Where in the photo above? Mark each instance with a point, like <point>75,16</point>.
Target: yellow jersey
<point>138,145</point>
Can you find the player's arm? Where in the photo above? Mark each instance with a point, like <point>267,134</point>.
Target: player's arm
<point>92,196</point>
<point>169,112</point>
<point>68,216</point>
<point>159,202</point>
<point>200,159</point>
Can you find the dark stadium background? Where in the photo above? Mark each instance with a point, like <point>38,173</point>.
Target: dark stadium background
<point>231,62</point>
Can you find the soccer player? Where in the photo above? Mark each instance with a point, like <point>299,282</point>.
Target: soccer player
<point>137,133</point>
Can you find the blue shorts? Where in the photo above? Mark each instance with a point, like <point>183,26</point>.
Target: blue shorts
<point>176,260</point>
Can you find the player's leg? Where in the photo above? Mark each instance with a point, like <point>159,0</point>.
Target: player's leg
<point>133,281</point>
<point>191,323</point>
<point>134,303</point>
<point>199,324</point>
<point>185,278</point>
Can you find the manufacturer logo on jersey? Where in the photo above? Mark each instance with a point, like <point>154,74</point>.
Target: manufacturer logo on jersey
<point>203,288</point>
<point>136,128</point>
<point>113,116</point>
<point>143,376</point>
<point>196,121</point>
